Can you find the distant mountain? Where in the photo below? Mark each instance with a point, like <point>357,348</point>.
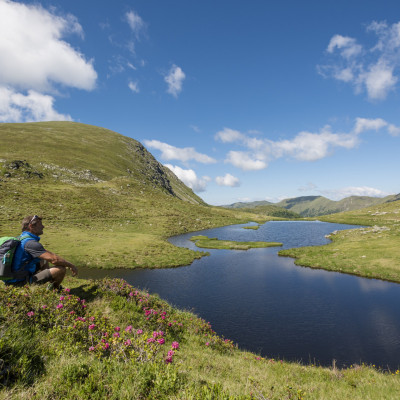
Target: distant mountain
<point>272,211</point>
<point>313,206</point>
<point>248,205</point>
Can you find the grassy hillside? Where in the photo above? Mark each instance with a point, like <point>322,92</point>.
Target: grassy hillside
<point>273,211</point>
<point>313,206</point>
<point>250,204</point>
<point>107,340</point>
<point>373,252</point>
<point>105,200</point>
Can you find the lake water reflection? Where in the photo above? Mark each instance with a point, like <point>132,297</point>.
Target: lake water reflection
<point>268,305</point>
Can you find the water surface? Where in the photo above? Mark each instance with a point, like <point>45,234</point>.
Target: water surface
<point>268,305</point>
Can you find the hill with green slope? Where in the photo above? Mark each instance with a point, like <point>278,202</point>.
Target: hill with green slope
<point>313,206</point>
<point>272,210</point>
<point>105,200</point>
<point>77,153</point>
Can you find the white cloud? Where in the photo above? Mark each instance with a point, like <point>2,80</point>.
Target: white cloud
<point>305,146</point>
<point>31,36</point>
<point>16,107</point>
<point>308,188</point>
<point>184,154</point>
<point>394,130</point>
<point>227,180</point>
<point>135,22</point>
<point>195,128</point>
<point>379,80</point>
<point>337,194</point>
<point>35,60</point>
<point>348,46</point>
<point>365,124</point>
<point>229,135</point>
<point>189,178</point>
<point>175,79</point>
<point>133,86</point>
<point>244,161</point>
<point>375,69</point>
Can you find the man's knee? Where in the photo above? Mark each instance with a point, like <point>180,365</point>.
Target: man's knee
<point>58,273</point>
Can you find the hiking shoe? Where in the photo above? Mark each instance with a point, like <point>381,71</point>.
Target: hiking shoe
<point>51,286</point>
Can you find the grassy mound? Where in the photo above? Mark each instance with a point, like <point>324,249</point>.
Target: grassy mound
<point>214,243</point>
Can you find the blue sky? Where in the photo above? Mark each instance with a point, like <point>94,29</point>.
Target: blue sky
<point>243,100</point>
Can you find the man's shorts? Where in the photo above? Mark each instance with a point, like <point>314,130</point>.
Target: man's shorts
<point>39,278</point>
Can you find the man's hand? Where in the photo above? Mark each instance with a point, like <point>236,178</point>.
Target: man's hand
<point>58,261</point>
<point>74,270</point>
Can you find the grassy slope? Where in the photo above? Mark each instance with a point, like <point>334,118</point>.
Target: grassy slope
<point>61,366</point>
<point>372,252</point>
<point>106,201</point>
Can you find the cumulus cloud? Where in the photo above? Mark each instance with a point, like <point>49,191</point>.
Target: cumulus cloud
<point>365,124</point>
<point>184,154</point>
<point>373,69</point>
<point>31,36</point>
<point>17,107</point>
<point>189,178</point>
<point>244,161</point>
<point>35,59</point>
<point>308,146</point>
<point>134,86</point>
<point>175,79</point>
<point>337,194</point>
<point>305,146</point>
<point>227,180</point>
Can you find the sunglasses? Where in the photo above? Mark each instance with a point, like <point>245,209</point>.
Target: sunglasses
<point>33,218</point>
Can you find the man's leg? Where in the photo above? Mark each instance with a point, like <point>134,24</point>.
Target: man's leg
<point>54,275</point>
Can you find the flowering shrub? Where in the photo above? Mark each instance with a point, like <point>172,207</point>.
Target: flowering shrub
<point>66,315</point>
<point>157,313</point>
<point>40,307</point>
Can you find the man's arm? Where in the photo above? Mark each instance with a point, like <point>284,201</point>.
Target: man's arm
<point>58,261</point>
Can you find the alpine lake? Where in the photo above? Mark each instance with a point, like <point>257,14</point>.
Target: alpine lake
<point>268,305</point>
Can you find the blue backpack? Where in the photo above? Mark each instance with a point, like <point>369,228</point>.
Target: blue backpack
<point>8,245</point>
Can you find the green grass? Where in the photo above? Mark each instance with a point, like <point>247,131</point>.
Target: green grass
<point>254,227</point>
<point>106,202</point>
<point>214,243</point>
<point>52,355</point>
<point>372,252</point>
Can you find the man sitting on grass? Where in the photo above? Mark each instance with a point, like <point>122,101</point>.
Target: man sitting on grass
<point>32,257</point>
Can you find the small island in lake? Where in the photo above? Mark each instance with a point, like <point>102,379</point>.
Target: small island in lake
<point>254,227</point>
<point>214,243</point>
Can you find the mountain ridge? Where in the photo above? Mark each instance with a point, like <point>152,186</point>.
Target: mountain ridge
<point>313,206</point>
